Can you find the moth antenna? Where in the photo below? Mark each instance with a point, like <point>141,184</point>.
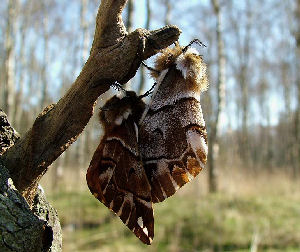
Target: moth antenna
<point>150,68</point>
<point>149,92</point>
<point>197,41</point>
<point>153,91</point>
<point>118,87</point>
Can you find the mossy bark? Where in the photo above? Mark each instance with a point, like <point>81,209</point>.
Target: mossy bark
<point>23,228</point>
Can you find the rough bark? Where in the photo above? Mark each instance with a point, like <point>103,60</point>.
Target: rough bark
<point>216,125</point>
<point>23,229</point>
<point>8,136</point>
<point>115,56</point>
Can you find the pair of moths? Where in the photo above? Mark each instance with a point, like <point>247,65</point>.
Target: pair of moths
<point>149,151</point>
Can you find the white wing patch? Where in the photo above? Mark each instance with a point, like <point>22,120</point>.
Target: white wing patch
<point>141,224</point>
<point>197,143</point>
<point>136,132</point>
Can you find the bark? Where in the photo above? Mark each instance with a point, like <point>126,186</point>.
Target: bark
<point>216,125</point>
<point>8,136</point>
<point>115,56</point>
<point>23,229</point>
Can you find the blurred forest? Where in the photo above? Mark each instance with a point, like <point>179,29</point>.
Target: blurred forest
<point>252,111</point>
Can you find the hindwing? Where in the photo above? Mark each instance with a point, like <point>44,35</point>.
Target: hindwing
<point>116,176</point>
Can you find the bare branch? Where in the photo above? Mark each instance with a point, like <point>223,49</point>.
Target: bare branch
<point>110,28</point>
<point>115,56</point>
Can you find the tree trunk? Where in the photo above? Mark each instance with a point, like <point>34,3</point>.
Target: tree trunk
<point>19,93</point>
<point>243,81</point>
<point>142,68</point>
<point>44,88</point>
<point>130,13</point>
<point>22,228</point>
<point>9,84</point>
<point>297,115</point>
<point>83,139</point>
<point>168,12</point>
<point>216,125</point>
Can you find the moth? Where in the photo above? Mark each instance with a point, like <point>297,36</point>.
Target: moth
<point>116,176</point>
<point>172,134</point>
<point>149,151</point>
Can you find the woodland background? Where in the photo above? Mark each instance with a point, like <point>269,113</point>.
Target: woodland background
<point>248,198</point>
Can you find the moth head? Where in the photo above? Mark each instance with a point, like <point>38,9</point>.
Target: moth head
<point>166,59</point>
<point>193,68</point>
<point>119,109</point>
<point>187,60</point>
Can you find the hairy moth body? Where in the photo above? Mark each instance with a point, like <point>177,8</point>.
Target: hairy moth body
<point>172,135</point>
<point>116,175</point>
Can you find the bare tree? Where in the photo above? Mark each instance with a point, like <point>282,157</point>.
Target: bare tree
<point>83,139</point>
<point>45,28</point>
<point>242,36</point>
<point>22,65</point>
<point>9,87</point>
<point>142,68</point>
<point>167,4</point>
<point>297,116</point>
<point>130,13</point>
<point>216,125</point>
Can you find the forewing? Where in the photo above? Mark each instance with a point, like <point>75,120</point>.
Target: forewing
<point>173,139</point>
<point>116,177</point>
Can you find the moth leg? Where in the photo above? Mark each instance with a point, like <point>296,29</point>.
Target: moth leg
<point>118,87</point>
<point>150,68</point>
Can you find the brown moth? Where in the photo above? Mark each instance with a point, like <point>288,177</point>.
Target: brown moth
<point>172,134</point>
<point>116,176</point>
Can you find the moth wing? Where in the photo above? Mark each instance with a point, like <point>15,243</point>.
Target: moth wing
<point>173,138</point>
<point>116,177</point>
